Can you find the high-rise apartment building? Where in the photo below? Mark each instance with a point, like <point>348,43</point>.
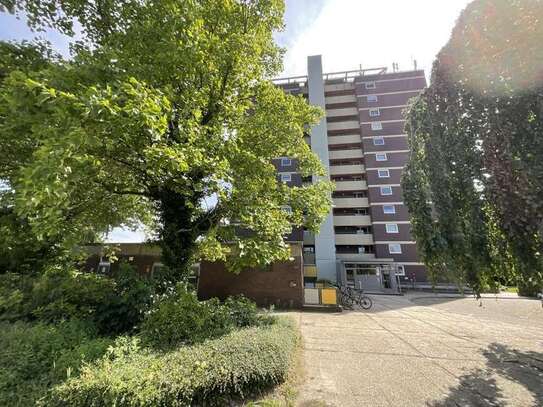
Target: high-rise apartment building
<point>366,239</point>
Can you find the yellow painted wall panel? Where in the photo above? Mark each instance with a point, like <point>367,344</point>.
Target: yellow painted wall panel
<point>328,296</point>
<point>310,271</point>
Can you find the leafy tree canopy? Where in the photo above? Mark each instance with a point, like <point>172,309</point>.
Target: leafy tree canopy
<point>474,183</point>
<point>164,115</point>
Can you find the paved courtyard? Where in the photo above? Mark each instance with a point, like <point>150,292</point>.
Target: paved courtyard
<point>413,351</point>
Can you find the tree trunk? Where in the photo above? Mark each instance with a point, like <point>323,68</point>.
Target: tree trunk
<point>178,233</point>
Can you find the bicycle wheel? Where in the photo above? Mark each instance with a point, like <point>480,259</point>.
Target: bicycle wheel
<point>365,302</point>
<point>347,301</point>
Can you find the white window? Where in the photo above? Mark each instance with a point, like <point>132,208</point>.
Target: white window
<point>386,190</point>
<point>392,227</point>
<point>374,112</point>
<point>285,162</point>
<point>377,126</point>
<point>372,98</point>
<point>389,209</point>
<point>156,267</point>
<point>378,141</point>
<point>369,85</point>
<point>104,267</point>
<point>395,248</point>
<point>400,271</point>
<point>383,173</point>
<point>286,177</point>
<point>381,157</point>
<point>286,208</point>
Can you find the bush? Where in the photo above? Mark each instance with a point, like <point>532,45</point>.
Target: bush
<point>126,306</point>
<point>33,357</point>
<point>115,305</point>
<point>242,363</point>
<point>181,318</point>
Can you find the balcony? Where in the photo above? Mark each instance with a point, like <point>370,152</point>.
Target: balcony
<point>309,238</point>
<point>348,111</point>
<point>310,271</point>
<point>355,256</point>
<point>347,169</point>
<point>347,125</point>
<point>352,220</point>
<point>348,139</point>
<point>351,185</point>
<point>332,100</point>
<point>345,154</point>
<point>351,202</point>
<point>309,258</point>
<point>354,239</point>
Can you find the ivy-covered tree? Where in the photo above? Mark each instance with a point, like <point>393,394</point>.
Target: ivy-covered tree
<point>474,183</point>
<point>165,116</point>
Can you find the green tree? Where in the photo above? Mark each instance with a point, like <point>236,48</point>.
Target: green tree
<point>476,135</point>
<point>164,115</point>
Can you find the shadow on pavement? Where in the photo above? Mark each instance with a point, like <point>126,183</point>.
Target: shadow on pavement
<point>480,387</point>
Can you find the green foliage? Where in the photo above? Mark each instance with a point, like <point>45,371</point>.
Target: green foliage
<point>181,319</point>
<point>474,182</point>
<point>33,358</point>
<point>125,308</point>
<point>115,305</point>
<point>165,116</point>
<point>241,363</point>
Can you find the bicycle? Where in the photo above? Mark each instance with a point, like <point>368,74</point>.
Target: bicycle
<point>349,296</point>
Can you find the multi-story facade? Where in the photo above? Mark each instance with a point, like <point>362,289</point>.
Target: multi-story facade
<point>366,239</point>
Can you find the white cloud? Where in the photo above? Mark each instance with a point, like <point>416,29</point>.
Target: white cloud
<point>375,33</point>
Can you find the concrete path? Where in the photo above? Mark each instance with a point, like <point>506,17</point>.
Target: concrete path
<point>411,351</point>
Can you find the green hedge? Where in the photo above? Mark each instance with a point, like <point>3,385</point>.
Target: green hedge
<point>182,319</point>
<point>242,363</point>
<point>34,357</point>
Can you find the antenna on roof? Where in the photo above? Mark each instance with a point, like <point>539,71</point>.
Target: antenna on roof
<point>415,64</point>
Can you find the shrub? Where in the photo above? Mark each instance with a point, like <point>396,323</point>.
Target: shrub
<point>116,305</point>
<point>242,363</point>
<point>33,357</point>
<point>125,308</point>
<point>62,293</point>
<point>181,318</point>
<point>243,312</point>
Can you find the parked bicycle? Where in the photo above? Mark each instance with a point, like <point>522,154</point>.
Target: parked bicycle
<point>349,296</point>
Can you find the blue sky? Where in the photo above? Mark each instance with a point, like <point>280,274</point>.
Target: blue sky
<point>347,33</point>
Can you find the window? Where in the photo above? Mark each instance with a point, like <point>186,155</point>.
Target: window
<point>286,177</point>
<point>389,209</point>
<point>309,249</point>
<point>286,208</point>
<point>372,98</point>
<point>381,157</point>
<point>395,248</point>
<point>392,227</point>
<point>374,112</point>
<point>103,267</point>
<point>377,126</point>
<point>400,271</point>
<point>156,268</point>
<point>383,173</point>
<point>370,85</point>
<point>286,162</point>
<point>378,141</point>
<point>386,190</point>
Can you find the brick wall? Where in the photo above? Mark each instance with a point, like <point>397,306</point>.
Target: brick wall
<point>281,285</point>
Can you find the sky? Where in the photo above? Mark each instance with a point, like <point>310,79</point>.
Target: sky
<point>349,34</point>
